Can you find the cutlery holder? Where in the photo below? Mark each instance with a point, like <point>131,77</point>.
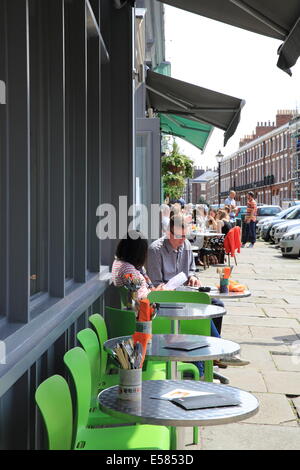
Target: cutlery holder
<point>130,386</point>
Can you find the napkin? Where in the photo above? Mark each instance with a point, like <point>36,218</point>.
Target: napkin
<point>145,310</point>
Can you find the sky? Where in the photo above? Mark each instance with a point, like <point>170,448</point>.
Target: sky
<point>231,61</point>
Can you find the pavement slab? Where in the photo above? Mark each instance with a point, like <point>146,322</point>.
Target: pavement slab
<point>265,322</point>
<point>274,312</point>
<point>249,437</point>
<point>278,334</point>
<point>282,382</point>
<point>268,402</point>
<point>260,358</point>
<point>246,378</point>
<point>248,311</point>
<point>287,363</point>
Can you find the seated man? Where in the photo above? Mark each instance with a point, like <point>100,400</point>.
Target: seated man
<point>171,255</point>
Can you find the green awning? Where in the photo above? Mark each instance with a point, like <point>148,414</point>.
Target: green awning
<point>193,132</point>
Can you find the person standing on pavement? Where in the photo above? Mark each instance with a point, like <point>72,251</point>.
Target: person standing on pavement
<point>230,201</point>
<point>249,227</point>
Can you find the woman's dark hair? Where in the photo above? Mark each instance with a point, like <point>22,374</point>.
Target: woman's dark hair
<point>133,249</point>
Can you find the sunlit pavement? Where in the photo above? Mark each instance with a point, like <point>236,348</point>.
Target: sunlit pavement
<point>267,326</point>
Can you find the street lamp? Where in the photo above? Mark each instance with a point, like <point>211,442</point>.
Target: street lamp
<point>219,158</point>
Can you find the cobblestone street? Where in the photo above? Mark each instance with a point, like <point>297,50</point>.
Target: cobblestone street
<point>267,326</point>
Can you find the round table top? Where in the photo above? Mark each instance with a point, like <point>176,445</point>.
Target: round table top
<point>183,311</point>
<point>157,351</point>
<point>165,413</point>
<point>218,295</point>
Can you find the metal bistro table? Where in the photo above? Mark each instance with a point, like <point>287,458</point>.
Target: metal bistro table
<point>200,236</point>
<point>165,413</point>
<point>182,311</point>
<point>185,311</point>
<point>157,350</point>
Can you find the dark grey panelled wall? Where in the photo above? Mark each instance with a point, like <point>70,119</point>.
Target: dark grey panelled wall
<point>66,145</point>
<point>117,113</point>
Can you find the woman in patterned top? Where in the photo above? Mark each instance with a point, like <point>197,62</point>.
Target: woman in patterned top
<point>131,256</point>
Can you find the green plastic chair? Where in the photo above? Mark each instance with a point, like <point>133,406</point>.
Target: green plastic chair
<point>142,437</point>
<point>192,327</point>
<point>54,402</point>
<point>89,341</point>
<point>99,324</point>
<point>120,323</point>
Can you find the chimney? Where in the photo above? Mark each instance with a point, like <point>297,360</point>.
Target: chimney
<point>283,116</point>
<point>263,128</point>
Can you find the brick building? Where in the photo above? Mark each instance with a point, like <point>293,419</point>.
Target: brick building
<point>266,163</point>
<point>200,186</point>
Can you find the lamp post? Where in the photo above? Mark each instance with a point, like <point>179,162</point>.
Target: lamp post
<point>219,158</point>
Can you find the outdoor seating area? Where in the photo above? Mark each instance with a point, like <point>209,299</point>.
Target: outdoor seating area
<point>140,309</point>
<point>173,340</point>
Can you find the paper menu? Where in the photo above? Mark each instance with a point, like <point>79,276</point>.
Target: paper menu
<point>180,393</point>
<point>176,281</point>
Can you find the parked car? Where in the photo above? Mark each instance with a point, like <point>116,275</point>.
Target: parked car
<point>267,211</point>
<point>284,228</point>
<point>264,225</point>
<point>290,243</point>
<point>294,215</point>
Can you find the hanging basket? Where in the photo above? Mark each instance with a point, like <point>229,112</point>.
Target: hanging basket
<point>175,169</point>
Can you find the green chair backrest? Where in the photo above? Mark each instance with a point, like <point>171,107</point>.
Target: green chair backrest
<point>78,365</point>
<point>119,322</point>
<point>89,341</point>
<point>55,404</point>
<point>163,325</point>
<point>100,328</point>
<point>179,296</point>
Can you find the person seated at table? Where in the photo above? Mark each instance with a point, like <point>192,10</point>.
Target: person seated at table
<point>171,255</point>
<point>201,216</point>
<point>176,209</point>
<point>130,258</point>
<point>223,224</point>
<point>131,255</point>
<point>165,217</point>
<point>227,210</point>
<point>211,222</point>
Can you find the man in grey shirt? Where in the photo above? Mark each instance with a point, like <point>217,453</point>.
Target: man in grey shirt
<point>172,254</point>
